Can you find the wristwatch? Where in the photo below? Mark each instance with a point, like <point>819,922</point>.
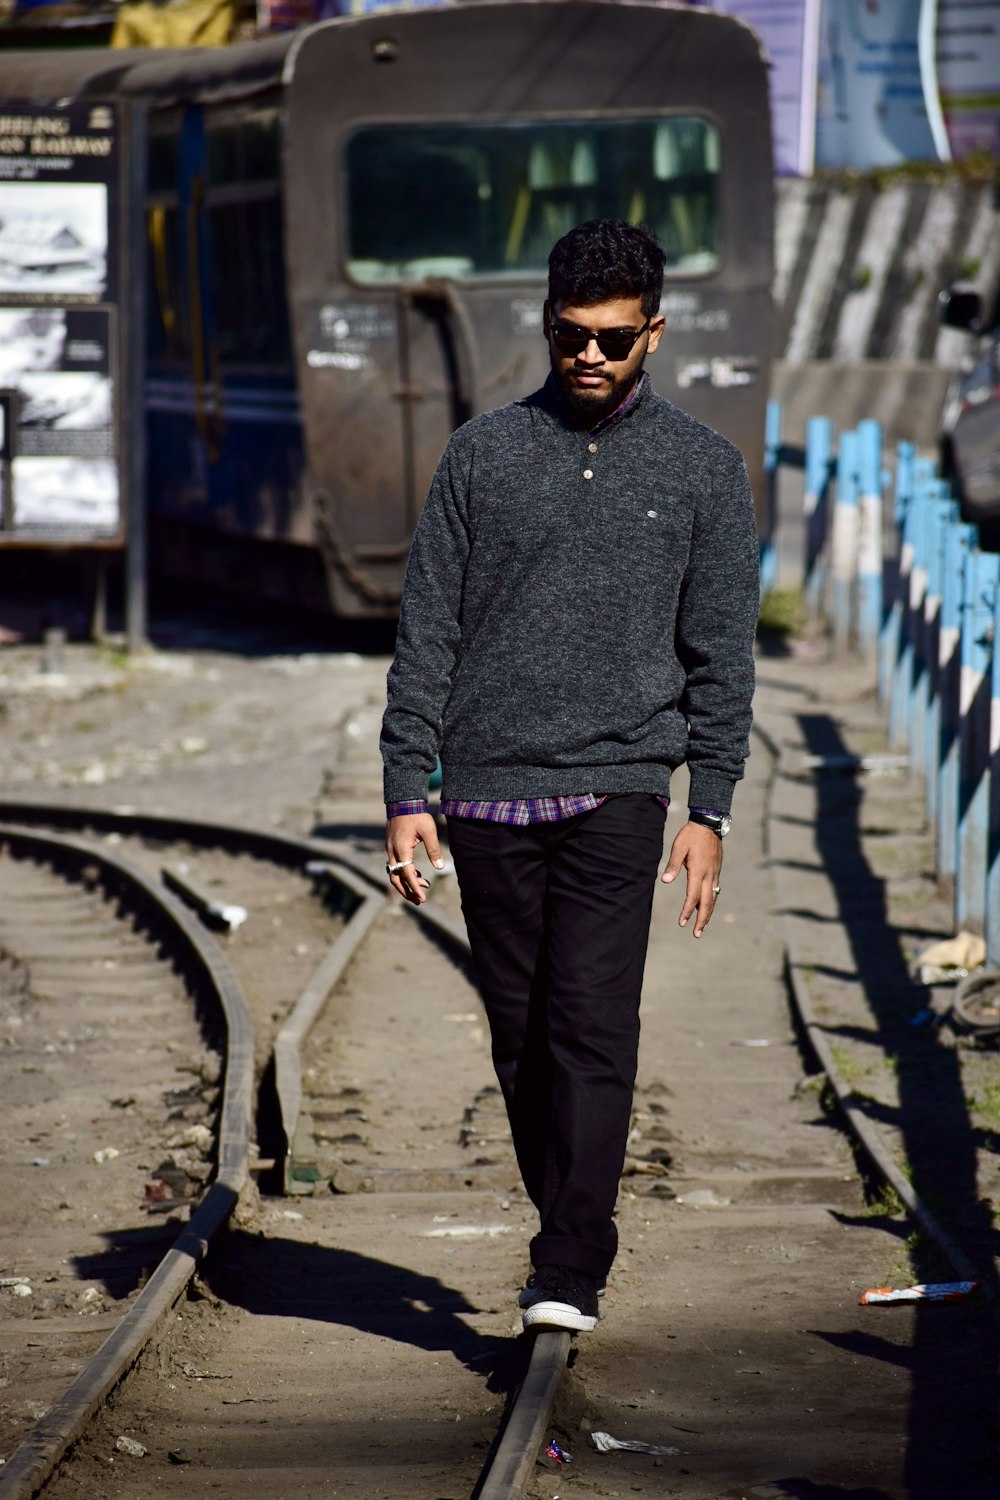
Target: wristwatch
<point>719,823</point>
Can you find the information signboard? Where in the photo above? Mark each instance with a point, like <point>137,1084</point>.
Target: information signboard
<point>59,326</point>
<point>789,30</point>
<point>878,102</point>
<point>968,69</point>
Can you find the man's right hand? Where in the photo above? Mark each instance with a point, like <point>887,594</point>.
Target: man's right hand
<point>402,836</point>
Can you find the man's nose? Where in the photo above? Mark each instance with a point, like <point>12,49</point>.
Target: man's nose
<point>592,355</point>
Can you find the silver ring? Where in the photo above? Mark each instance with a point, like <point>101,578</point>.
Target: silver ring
<point>391,869</point>
<point>716,889</point>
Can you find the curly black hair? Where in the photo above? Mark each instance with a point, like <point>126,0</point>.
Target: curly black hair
<point>603,260</point>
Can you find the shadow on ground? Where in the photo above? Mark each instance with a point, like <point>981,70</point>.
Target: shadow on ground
<point>952,1437</point>
<point>291,1279</point>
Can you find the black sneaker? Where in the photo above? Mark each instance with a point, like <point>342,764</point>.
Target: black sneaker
<point>560,1298</point>
<point>527,1295</point>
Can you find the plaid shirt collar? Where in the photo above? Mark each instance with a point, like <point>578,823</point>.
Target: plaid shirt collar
<point>551,400</point>
<point>625,406</point>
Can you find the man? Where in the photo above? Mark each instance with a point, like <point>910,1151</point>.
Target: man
<point>577,620</point>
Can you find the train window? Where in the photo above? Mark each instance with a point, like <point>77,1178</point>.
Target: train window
<point>467,199</point>
<point>164,151</point>
<point>243,144</point>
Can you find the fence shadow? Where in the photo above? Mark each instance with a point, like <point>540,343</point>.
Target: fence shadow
<point>953,1356</point>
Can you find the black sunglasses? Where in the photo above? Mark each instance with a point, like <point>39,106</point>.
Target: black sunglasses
<point>614,343</point>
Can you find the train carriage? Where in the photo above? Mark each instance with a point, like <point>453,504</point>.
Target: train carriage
<point>348,230</point>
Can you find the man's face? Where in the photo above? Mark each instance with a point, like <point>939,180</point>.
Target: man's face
<point>591,384</point>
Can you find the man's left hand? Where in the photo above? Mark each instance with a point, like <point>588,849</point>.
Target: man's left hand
<point>699,850</point>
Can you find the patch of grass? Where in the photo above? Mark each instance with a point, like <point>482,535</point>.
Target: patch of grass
<point>114,657</point>
<point>850,1070</point>
<point>978,166</point>
<point>900,1273</point>
<point>813,1085</point>
<point>782,613</point>
<point>986,1103</point>
<point>883,1202</point>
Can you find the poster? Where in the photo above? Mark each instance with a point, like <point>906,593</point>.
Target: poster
<point>877,100</point>
<point>789,30</point>
<point>59,288</point>
<point>968,72</point>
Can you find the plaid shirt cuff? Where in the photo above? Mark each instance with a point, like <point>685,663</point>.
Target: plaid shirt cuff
<point>406,809</point>
<point>710,812</point>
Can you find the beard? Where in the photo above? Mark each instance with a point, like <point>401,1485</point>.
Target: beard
<point>587,407</point>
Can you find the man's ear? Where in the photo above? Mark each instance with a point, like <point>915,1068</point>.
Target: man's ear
<point>656,327</point>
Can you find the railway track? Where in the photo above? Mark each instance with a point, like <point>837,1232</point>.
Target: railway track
<point>328,1116</point>
<point>116,922</point>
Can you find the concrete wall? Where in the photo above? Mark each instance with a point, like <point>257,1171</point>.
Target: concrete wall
<point>857,275</point>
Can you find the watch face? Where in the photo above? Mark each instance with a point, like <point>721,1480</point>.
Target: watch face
<point>725,823</point>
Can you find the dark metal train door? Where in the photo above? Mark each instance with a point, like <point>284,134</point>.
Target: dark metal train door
<point>391,374</point>
<point>438,379</point>
<point>194,258</point>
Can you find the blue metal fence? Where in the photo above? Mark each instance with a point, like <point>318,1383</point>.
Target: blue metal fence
<point>902,580</point>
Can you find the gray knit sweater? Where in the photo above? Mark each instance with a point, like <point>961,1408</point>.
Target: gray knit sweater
<point>575,620</point>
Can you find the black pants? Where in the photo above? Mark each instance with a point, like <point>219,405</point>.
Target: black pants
<point>558,918</point>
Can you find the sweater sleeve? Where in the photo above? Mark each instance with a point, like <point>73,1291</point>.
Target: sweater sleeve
<point>716,621</point>
<point>429,633</point>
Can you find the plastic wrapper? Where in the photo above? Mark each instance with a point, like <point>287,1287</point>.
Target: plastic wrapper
<point>940,1291</point>
<point>559,1454</point>
<point>605,1443</point>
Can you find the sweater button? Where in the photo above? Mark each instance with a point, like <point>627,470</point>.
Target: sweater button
<point>588,473</point>
<point>591,447</point>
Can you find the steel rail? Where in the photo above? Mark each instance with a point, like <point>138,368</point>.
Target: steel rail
<point>34,1460</point>
<point>509,1468</point>
<point>282,848</point>
<point>288,1043</point>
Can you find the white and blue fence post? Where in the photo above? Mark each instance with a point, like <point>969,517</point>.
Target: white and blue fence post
<point>941,513</point>
<point>772,457</point>
<point>815,504</point>
<point>925,478</point>
<point>844,539</point>
<point>892,686</point>
<point>959,540</point>
<point>993,834</point>
<point>870,549</point>
<point>982,570</point>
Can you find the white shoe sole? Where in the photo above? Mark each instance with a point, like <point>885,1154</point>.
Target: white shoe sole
<point>557,1315</point>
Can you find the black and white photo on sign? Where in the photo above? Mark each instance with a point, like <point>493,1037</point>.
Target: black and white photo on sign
<point>62,494</point>
<point>59,362</point>
<point>54,237</point>
<point>75,340</point>
<point>65,401</point>
<point>31,338</point>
